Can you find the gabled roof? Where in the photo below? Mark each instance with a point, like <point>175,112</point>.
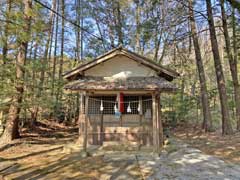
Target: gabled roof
<point>162,71</point>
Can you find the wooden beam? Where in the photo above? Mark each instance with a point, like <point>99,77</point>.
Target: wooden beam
<point>160,125</point>
<point>157,123</point>
<point>119,104</point>
<point>80,119</point>
<point>116,92</point>
<point>140,121</point>
<point>141,110</point>
<point>90,64</point>
<point>86,124</point>
<point>154,119</point>
<point>101,129</point>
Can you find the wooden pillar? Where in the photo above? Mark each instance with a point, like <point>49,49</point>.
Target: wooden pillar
<point>101,129</point>
<point>160,125</point>
<point>157,123</point>
<point>81,118</point>
<point>140,111</point>
<point>121,120</point>
<point>141,135</point>
<point>86,124</point>
<point>154,119</point>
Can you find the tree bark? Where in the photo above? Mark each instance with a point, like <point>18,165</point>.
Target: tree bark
<point>137,37</point>
<point>44,60</point>
<point>11,131</point>
<point>44,63</point>
<point>232,63</point>
<point>62,41</point>
<point>55,50</point>
<point>59,90</point>
<point>78,31</point>
<point>226,124</point>
<point>235,57</point>
<point>34,112</point>
<point>119,23</point>
<point>207,119</point>
<point>6,29</point>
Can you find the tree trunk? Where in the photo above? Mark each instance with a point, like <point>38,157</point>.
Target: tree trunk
<point>55,51</point>
<point>11,131</point>
<point>157,43</point>
<point>235,57</point>
<point>44,60</point>
<point>59,91</point>
<point>137,37</point>
<point>34,112</point>
<point>232,63</point>
<point>226,124</point>
<point>81,34</point>
<point>207,119</point>
<point>119,24</point>
<point>5,36</point>
<point>78,33</point>
<point>62,41</point>
<point>44,63</point>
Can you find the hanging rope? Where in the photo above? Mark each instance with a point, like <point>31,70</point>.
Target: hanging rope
<point>114,102</point>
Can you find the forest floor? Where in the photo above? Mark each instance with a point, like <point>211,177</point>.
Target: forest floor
<point>49,152</point>
<point>223,147</point>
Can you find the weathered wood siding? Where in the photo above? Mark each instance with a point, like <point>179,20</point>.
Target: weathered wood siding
<point>120,66</point>
<point>129,128</point>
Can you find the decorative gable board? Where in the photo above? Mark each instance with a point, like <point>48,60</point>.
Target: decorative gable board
<point>120,66</point>
<point>123,63</point>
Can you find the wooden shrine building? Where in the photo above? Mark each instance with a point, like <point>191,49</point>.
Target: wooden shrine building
<point>120,94</point>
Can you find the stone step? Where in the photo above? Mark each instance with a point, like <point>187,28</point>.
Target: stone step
<point>117,143</point>
<point>120,145</point>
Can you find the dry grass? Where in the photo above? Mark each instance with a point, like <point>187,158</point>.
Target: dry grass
<point>224,147</point>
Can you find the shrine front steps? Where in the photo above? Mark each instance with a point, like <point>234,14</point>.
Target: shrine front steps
<point>120,146</point>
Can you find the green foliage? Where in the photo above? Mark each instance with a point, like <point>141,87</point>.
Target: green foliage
<point>163,21</point>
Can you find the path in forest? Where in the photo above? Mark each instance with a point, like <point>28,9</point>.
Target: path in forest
<point>182,162</point>
<point>177,161</point>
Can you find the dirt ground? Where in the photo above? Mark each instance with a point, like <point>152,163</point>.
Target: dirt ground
<point>50,152</point>
<point>224,147</point>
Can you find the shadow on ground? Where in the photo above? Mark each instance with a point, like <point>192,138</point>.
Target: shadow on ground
<point>55,155</point>
<point>56,164</point>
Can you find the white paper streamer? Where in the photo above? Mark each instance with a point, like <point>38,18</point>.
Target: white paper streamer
<point>138,109</point>
<point>115,108</point>
<point>101,106</point>
<point>129,108</point>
